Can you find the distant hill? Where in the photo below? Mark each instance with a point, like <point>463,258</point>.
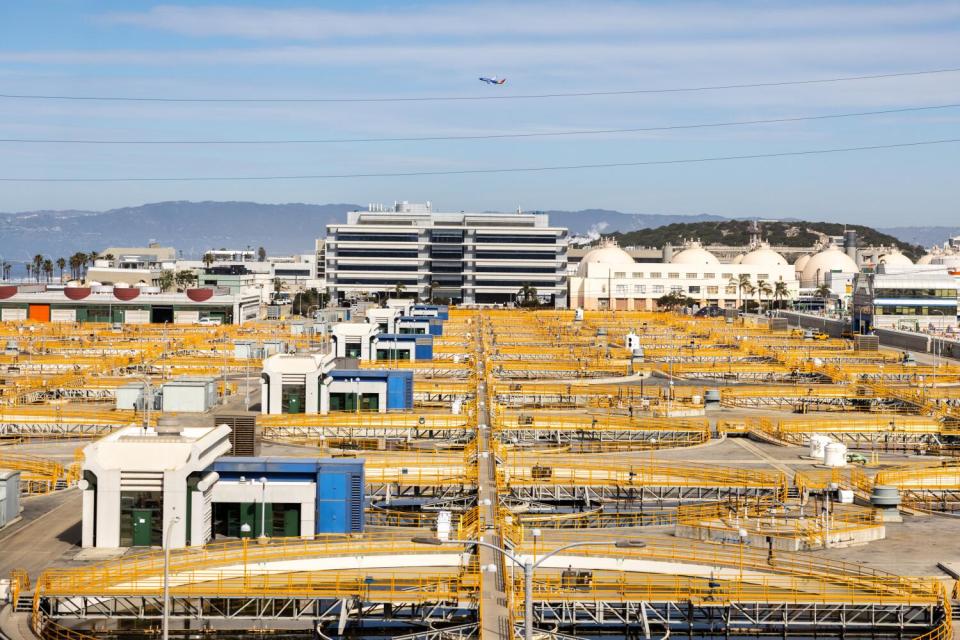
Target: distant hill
<point>735,232</point>
<point>597,221</point>
<point>926,236</point>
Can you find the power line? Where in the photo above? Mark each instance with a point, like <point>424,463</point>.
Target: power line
<point>490,136</point>
<point>402,174</point>
<point>530,96</point>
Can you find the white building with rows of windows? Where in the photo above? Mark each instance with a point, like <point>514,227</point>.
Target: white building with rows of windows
<point>609,278</point>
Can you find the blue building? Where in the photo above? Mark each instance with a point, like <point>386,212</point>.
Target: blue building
<point>287,497</point>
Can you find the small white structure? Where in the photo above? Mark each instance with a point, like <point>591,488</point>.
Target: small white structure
<point>353,340</point>
<point>835,455</point>
<point>385,318</point>
<point>290,383</point>
<point>189,394</point>
<point>137,483</point>
<point>130,396</point>
<point>9,496</point>
<point>817,445</point>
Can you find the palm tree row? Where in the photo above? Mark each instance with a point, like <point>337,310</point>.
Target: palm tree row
<point>42,268</point>
<point>779,290</point>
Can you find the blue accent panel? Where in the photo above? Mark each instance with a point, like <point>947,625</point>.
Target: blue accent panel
<point>436,327</point>
<point>424,352</point>
<point>400,390</point>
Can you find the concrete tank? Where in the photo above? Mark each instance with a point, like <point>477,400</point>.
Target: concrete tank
<point>835,455</point>
<point>885,497</point>
<point>817,445</point>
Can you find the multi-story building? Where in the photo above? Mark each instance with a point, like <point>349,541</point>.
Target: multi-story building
<point>467,258</point>
<point>912,300</point>
<point>608,278</point>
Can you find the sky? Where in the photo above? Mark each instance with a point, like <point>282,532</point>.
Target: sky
<point>335,50</point>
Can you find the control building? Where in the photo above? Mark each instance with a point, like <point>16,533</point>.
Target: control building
<point>467,258</point>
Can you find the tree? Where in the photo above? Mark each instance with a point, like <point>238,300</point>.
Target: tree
<point>184,279</point>
<point>674,300</point>
<point>743,285</point>
<point>37,266</point>
<point>528,296</point>
<point>166,280</point>
<point>398,289</point>
<point>92,257</point>
<point>7,268</point>
<point>780,292</point>
<point>48,268</point>
<point>208,259</point>
<point>109,257</point>
<point>823,292</point>
<point>261,254</point>
<point>763,289</point>
<point>61,264</point>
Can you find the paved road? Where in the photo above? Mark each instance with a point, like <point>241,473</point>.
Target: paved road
<point>50,528</point>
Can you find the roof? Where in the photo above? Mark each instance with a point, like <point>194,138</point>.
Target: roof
<point>694,253</point>
<point>368,374</point>
<point>6,474</point>
<point>106,297</point>
<point>607,253</point>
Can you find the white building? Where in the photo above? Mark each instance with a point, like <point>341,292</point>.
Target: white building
<point>609,278</point>
<point>471,258</point>
<point>911,300</point>
<point>137,483</point>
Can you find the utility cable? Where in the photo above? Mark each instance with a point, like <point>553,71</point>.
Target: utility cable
<point>490,136</point>
<point>401,174</point>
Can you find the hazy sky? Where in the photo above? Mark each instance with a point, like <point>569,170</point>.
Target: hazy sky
<point>393,49</point>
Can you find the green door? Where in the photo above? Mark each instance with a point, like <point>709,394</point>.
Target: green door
<point>142,526</point>
<point>291,521</point>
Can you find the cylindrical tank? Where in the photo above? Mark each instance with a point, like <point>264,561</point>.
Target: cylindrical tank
<point>633,341</point>
<point>817,445</point>
<point>835,455</point>
<point>885,497</point>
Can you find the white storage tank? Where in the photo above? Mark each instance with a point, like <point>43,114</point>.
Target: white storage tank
<point>835,455</point>
<point>9,496</point>
<point>817,445</point>
<point>189,394</point>
<point>633,341</point>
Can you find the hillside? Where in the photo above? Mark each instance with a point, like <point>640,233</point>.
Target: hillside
<point>737,232</point>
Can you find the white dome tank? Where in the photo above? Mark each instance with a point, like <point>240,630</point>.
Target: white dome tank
<point>835,455</point>
<point>817,445</point>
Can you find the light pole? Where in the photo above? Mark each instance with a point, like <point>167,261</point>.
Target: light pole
<point>529,567</point>
<point>166,577</point>
<point>263,511</point>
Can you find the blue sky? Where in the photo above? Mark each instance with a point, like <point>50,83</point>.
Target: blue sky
<point>338,49</point>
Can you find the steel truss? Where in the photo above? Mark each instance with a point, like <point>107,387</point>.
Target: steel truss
<point>654,438</point>
<point>656,495</point>
<point>866,440</point>
<point>399,432</point>
<point>438,491</point>
<point>33,429</point>
<point>732,617</point>
<point>142,607</point>
<point>945,500</point>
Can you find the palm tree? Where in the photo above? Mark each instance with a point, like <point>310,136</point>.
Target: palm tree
<point>48,268</point>
<point>398,289</point>
<point>92,257</point>
<point>61,264</point>
<point>7,268</point>
<point>528,294</point>
<point>166,280</point>
<point>109,256</point>
<point>743,284</point>
<point>29,267</point>
<point>261,254</point>
<point>823,292</point>
<point>278,286</point>
<point>208,260</point>
<point>763,289</point>
<point>780,292</point>
<point>37,266</point>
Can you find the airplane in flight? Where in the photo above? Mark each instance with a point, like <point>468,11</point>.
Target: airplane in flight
<point>492,80</point>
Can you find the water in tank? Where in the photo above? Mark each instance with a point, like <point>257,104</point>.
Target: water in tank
<point>835,455</point>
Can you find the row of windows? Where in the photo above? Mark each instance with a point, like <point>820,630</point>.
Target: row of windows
<point>516,239</point>
<point>913,310</point>
<point>915,293</point>
<point>675,275</point>
<point>377,237</point>
<point>377,253</point>
<point>378,267</point>
<point>513,255</point>
<point>514,283</point>
<point>641,289</point>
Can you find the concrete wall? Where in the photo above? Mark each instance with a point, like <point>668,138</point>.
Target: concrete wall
<point>832,327</point>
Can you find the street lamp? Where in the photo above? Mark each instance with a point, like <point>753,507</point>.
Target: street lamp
<point>263,511</point>
<point>529,567</point>
<point>166,577</point>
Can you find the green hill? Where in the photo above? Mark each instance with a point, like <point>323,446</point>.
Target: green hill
<point>737,232</point>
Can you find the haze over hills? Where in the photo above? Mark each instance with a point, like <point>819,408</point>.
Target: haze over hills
<point>193,227</point>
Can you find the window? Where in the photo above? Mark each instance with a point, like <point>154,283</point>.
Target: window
<point>673,276</point>
<point>658,288</point>
<point>712,291</point>
<point>676,289</point>
<point>726,276</point>
<point>694,289</point>
<point>639,288</point>
<point>709,276</point>
<point>763,276</point>
<point>691,276</point>
<point>655,274</point>
<point>730,290</point>
<point>638,275</point>
<point>619,274</point>
<point>621,289</point>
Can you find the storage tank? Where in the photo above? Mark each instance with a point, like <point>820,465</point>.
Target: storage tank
<point>817,445</point>
<point>633,341</point>
<point>835,455</point>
